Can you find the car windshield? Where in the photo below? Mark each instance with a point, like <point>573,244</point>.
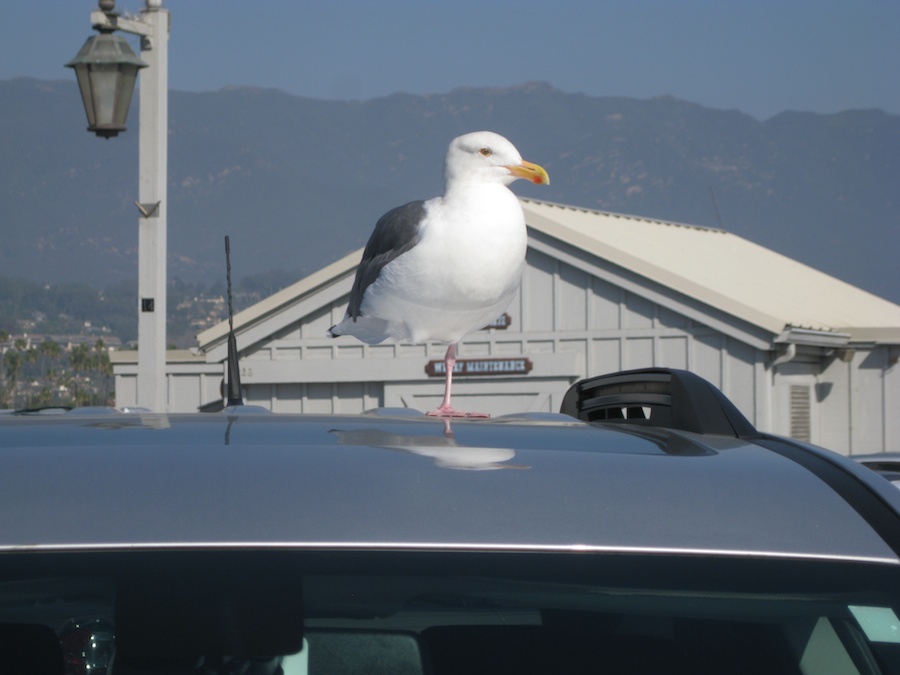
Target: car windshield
<point>297,612</point>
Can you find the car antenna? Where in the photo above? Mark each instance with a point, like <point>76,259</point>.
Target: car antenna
<point>233,391</point>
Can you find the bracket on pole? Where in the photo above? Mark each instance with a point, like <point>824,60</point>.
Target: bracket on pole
<point>114,22</point>
<point>149,210</point>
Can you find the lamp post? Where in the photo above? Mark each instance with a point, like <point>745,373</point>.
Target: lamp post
<point>104,67</point>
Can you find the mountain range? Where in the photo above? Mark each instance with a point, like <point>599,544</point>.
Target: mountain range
<point>298,182</point>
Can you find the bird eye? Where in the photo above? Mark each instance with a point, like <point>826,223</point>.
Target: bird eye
<point>486,152</point>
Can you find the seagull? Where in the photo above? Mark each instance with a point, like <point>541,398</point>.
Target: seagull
<point>443,268</point>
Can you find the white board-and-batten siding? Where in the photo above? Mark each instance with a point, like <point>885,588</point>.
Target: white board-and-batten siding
<point>569,323</point>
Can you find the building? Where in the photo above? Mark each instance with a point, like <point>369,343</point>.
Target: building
<point>799,352</point>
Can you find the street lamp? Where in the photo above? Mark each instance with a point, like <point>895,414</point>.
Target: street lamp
<point>106,68</point>
<point>106,86</point>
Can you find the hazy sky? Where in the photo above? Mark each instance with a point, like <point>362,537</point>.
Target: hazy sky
<point>759,56</point>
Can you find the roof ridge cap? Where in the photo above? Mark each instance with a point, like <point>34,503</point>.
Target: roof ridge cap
<point>626,216</point>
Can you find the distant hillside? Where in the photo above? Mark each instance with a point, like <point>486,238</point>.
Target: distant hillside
<point>298,182</point>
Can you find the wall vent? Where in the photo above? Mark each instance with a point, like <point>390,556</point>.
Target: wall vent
<point>800,413</point>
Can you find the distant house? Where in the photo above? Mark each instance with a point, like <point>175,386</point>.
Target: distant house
<point>799,352</point>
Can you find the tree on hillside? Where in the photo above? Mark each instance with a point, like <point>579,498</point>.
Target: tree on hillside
<point>50,352</point>
<point>48,375</point>
<point>12,366</point>
<point>4,337</point>
<point>102,366</point>
<point>78,363</point>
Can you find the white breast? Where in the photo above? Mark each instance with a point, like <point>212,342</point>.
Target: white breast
<point>461,275</point>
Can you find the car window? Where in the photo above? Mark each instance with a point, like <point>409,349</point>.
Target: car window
<point>435,612</point>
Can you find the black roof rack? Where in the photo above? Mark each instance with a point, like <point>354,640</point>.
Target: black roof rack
<point>660,397</point>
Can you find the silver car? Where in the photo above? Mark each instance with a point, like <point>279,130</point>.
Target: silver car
<point>647,528</point>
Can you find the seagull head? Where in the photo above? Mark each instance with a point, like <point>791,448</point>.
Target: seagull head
<point>486,157</point>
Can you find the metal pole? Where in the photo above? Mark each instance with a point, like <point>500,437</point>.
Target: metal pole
<point>152,203</point>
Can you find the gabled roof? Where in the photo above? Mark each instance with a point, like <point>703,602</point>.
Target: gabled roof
<point>722,270</point>
<point>277,302</point>
<point>719,269</point>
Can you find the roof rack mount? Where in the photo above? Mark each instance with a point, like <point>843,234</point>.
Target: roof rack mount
<point>661,397</point>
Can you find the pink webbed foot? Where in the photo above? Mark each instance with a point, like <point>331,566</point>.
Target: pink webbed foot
<point>445,409</point>
<point>450,411</point>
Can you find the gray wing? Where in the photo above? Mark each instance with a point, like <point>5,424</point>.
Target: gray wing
<point>396,232</point>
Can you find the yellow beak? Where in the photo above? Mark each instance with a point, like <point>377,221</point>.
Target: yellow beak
<point>532,172</point>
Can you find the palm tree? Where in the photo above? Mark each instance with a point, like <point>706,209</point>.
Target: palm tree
<point>50,351</point>
<point>12,363</point>
<point>29,358</point>
<point>104,370</point>
<point>78,361</point>
<point>4,337</point>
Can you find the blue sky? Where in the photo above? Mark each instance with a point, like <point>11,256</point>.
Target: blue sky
<point>758,56</point>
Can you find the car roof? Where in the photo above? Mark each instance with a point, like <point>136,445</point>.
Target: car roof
<point>398,480</point>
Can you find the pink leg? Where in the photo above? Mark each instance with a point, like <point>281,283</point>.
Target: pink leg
<point>445,409</point>
<point>449,365</point>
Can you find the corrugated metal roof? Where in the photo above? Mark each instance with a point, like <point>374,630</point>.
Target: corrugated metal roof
<point>721,269</point>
